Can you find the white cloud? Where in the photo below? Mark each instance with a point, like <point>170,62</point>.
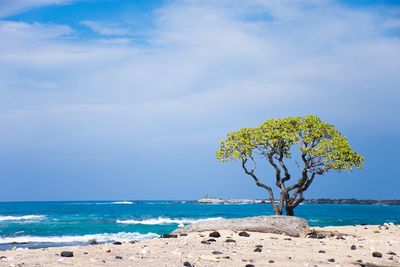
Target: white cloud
<point>207,66</point>
<point>8,8</point>
<point>104,28</point>
<point>13,30</point>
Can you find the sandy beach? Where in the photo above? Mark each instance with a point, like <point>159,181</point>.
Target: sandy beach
<point>356,248</point>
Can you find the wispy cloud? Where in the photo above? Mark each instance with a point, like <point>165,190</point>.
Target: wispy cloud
<point>297,59</point>
<point>34,31</point>
<point>204,68</point>
<point>104,28</point>
<point>8,8</point>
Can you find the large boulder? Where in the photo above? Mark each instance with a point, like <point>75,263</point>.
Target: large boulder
<point>291,226</point>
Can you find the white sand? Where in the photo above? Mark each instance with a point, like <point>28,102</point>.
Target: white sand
<point>282,250</point>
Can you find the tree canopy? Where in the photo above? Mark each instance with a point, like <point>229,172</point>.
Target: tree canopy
<point>321,148</point>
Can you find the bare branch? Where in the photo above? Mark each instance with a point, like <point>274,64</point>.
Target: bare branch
<point>260,184</point>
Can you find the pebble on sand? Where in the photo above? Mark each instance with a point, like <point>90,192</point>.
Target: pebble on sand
<point>67,254</point>
<point>258,250</point>
<point>377,254</point>
<point>245,234</point>
<point>215,234</point>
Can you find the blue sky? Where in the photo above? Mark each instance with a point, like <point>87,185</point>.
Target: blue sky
<point>129,99</point>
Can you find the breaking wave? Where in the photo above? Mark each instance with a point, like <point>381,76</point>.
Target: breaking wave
<point>22,218</point>
<point>122,236</point>
<point>122,203</point>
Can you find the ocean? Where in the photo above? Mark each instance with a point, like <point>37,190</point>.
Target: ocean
<point>44,224</point>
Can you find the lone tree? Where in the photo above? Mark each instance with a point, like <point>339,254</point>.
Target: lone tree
<point>321,148</point>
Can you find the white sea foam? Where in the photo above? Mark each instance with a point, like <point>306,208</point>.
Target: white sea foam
<point>162,220</point>
<point>24,218</point>
<point>122,203</point>
<point>122,236</point>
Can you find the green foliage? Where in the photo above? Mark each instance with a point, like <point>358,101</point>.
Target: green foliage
<point>322,147</point>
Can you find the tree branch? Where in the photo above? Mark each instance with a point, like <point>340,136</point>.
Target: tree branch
<point>260,184</point>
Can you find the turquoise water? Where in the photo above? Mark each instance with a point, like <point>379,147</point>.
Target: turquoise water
<point>42,224</point>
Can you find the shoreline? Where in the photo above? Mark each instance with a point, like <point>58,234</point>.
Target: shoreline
<point>197,249</point>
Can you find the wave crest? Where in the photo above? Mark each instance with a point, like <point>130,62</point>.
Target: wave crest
<point>162,220</point>
<point>122,203</point>
<point>22,218</point>
<point>122,236</point>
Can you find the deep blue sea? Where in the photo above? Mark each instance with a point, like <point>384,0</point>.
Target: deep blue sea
<point>43,224</point>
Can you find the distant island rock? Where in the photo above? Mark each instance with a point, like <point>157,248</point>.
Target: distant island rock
<point>231,201</point>
<point>307,201</point>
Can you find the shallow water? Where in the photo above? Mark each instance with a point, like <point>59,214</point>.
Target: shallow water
<point>42,224</point>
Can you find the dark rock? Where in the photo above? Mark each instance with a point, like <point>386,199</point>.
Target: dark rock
<point>312,235</point>
<point>245,234</point>
<point>212,240</point>
<point>85,253</point>
<point>206,242</point>
<point>214,234</point>
<point>271,261</point>
<point>117,243</point>
<point>322,251</point>
<point>259,246</point>
<point>169,236</point>
<point>3,257</point>
<point>258,250</point>
<point>287,238</point>
<point>331,260</point>
<point>391,258</point>
<point>353,247</point>
<point>226,257</point>
<point>93,242</point>
<point>377,254</point>
<point>230,241</point>
<point>184,235</point>
<point>391,253</point>
<point>67,254</point>
<point>358,261</point>
<point>250,265</point>
<point>216,252</point>
<point>187,264</point>
<point>289,258</point>
<point>133,242</point>
<point>118,257</point>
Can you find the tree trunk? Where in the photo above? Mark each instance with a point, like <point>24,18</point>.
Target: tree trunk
<point>278,212</point>
<point>289,211</point>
